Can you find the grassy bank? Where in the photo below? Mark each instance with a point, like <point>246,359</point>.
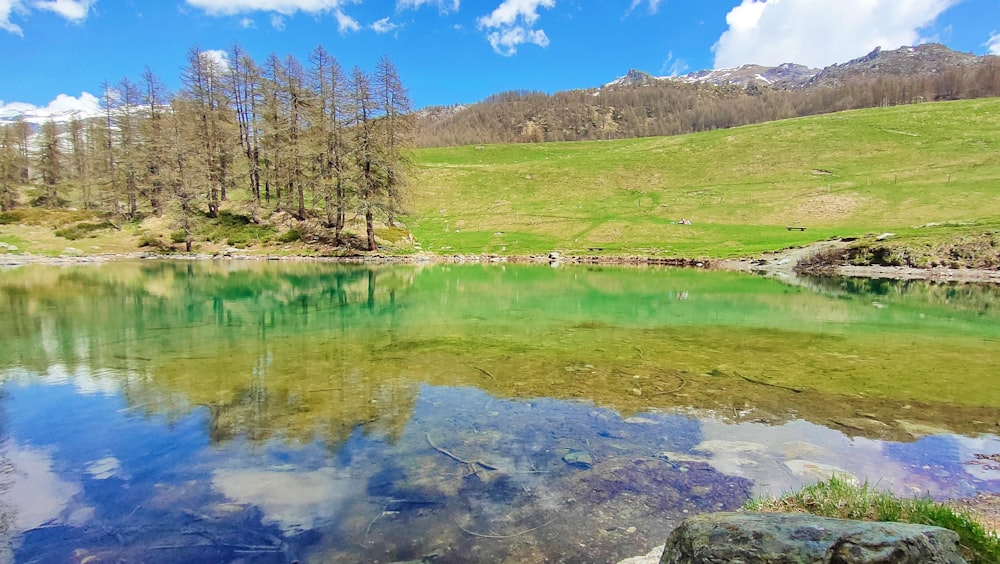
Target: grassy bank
<point>929,170</point>
<point>927,173</point>
<point>841,499</point>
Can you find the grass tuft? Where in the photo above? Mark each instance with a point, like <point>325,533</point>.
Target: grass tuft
<point>841,499</point>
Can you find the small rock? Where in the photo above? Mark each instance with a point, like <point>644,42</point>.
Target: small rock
<point>579,458</point>
<point>652,557</point>
<point>698,491</point>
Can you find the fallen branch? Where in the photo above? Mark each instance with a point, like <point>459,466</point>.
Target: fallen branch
<point>486,372</point>
<point>487,536</point>
<point>380,514</point>
<point>770,385</point>
<point>472,464</point>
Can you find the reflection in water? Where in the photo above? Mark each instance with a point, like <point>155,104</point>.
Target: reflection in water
<point>225,411</point>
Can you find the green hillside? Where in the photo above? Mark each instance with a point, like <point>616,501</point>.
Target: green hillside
<point>926,171</point>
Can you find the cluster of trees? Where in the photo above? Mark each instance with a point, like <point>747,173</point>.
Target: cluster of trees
<point>311,141</point>
<point>672,107</point>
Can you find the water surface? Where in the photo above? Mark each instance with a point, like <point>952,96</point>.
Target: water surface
<point>172,411</point>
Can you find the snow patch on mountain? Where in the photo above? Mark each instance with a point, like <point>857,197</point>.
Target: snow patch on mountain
<point>61,110</point>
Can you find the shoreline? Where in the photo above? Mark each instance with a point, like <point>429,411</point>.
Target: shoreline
<point>781,264</point>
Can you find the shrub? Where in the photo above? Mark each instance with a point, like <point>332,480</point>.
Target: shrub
<point>81,230</point>
<point>290,236</point>
<point>149,240</point>
<point>11,217</point>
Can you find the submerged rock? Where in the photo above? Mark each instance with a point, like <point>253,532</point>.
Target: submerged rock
<point>579,458</point>
<point>772,538</point>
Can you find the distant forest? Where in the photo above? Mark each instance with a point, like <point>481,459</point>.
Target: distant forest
<point>278,136</point>
<point>665,107</point>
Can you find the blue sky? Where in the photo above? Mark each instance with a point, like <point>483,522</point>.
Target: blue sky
<point>56,52</point>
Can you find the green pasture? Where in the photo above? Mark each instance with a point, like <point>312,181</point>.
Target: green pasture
<point>911,170</point>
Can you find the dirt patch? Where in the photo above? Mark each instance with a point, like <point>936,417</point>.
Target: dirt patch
<point>828,206</point>
<point>984,507</point>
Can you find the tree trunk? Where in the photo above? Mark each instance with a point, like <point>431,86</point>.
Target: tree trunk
<point>370,228</point>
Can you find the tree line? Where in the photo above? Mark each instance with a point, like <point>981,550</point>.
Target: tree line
<point>308,140</point>
<point>668,107</point>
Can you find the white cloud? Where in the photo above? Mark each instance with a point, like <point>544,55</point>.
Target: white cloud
<point>654,6</point>
<point>73,10</point>
<point>444,6</point>
<point>818,33</point>
<point>218,56</point>
<point>8,7</point>
<point>505,41</point>
<point>346,23</point>
<point>672,66</point>
<point>510,11</point>
<point>384,26</point>
<point>993,43</point>
<point>86,104</point>
<point>512,24</point>
<point>248,23</point>
<point>286,7</point>
<point>282,7</point>
<point>278,22</point>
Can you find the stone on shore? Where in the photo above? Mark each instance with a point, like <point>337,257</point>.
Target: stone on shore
<point>772,538</point>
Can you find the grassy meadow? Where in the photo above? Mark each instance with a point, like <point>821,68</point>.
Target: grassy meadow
<point>927,171</point>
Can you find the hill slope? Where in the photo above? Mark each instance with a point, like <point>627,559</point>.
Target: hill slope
<point>845,174</point>
<point>640,105</point>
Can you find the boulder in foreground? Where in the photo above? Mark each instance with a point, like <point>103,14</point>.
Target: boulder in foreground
<point>779,538</point>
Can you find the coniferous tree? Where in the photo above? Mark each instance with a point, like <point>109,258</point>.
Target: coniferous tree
<point>49,162</point>
<point>328,116</point>
<point>313,142</point>
<point>10,168</point>
<point>205,96</point>
<point>273,130</point>
<point>297,102</point>
<point>155,141</point>
<point>108,152</point>
<point>396,131</point>
<point>128,145</point>
<point>245,92</point>
<point>79,159</point>
<point>369,177</point>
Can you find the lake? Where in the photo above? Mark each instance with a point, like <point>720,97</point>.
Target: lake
<point>171,411</point>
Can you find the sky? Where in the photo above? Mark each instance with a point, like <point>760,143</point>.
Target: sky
<point>57,53</point>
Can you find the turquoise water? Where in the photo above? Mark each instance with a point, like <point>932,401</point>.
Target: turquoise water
<point>262,412</point>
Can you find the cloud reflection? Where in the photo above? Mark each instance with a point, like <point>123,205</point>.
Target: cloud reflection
<point>293,500</point>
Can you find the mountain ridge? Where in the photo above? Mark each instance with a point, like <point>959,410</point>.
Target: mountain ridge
<point>904,61</point>
<point>639,104</point>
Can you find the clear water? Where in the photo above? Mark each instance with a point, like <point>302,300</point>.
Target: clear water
<point>262,412</point>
